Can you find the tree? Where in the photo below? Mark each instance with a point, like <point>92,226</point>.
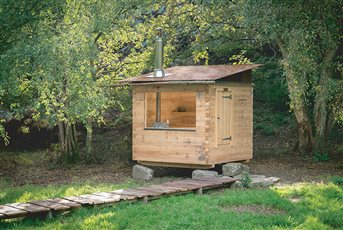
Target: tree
<point>309,35</point>
<point>56,56</point>
<point>50,67</point>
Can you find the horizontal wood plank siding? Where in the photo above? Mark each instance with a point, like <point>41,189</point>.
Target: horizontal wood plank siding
<point>185,147</point>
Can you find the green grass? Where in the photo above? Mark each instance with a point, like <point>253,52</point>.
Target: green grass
<point>317,206</point>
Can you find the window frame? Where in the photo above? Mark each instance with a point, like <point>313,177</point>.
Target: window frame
<point>190,129</point>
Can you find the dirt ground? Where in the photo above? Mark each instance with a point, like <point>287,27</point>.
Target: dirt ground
<point>290,169</point>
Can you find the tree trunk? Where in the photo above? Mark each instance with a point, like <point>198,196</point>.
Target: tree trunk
<point>67,136</point>
<point>305,131</point>
<point>312,133</point>
<point>322,109</point>
<point>89,137</point>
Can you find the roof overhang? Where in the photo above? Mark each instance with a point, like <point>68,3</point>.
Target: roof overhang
<point>204,74</point>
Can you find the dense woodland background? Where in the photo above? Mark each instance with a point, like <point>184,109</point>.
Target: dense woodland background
<point>60,61</point>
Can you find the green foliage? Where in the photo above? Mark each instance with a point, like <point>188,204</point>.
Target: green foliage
<point>56,57</point>
<point>320,156</point>
<point>308,35</point>
<point>270,85</point>
<point>246,180</point>
<point>337,180</point>
<point>240,59</point>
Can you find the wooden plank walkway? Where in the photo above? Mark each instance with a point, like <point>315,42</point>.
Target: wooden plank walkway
<point>44,208</point>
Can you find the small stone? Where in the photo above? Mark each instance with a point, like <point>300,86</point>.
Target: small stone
<point>237,184</point>
<point>226,177</point>
<point>234,169</point>
<point>204,174</point>
<point>257,176</point>
<point>274,179</point>
<point>240,176</point>
<point>263,181</point>
<point>140,172</point>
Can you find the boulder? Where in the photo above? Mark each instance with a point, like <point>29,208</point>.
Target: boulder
<point>234,169</point>
<point>140,172</point>
<point>204,174</point>
<point>263,181</point>
<point>237,184</point>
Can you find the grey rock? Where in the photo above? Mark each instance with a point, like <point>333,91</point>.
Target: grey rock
<point>274,179</point>
<point>237,184</point>
<point>204,174</point>
<point>240,176</point>
<point>234,169</point>
<point>263,181</point>
<point>226,177</point>
<point>257,176</point>
<point>140,172</point>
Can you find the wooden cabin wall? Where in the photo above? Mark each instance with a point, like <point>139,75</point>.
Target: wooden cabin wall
<point>171,103</point>
<point>170,146</point>
<point>241,129</point>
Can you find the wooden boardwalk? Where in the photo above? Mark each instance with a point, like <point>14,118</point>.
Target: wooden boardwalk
<point>46,208</point>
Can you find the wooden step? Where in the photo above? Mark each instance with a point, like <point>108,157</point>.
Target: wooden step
<point>146,193</point>
<point>30,208</point>
<point>70,204</point>
<point>116,196</point>
<point>50,205</point>
<point>10,212</point>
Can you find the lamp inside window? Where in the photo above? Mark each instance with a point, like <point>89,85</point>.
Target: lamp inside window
<point>170,110</point>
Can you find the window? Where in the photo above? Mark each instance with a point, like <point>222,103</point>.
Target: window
<point>166,110</point>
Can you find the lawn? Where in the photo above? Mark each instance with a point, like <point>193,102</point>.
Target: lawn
<point>301,206</point>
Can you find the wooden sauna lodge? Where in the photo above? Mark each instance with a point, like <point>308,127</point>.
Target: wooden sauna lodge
<point>193,116</point>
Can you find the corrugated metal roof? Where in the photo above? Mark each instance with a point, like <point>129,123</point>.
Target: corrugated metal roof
<point>193,73</point>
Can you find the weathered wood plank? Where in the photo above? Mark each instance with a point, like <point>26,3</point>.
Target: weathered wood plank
<point>81,200</point>
<point>31,208</point>
<point>159,189</point>
<point>184,185</point>
<point>219,180</point>
<point>91,199</point>
<point>50,205</point>
<point>10,212</point>
<point>198,182</point>
<point>37,207</point>
<point>152,191</point>
<point>65,202</point>
<point>115,196</point>
<point>132,192</point>
<point>101,199</point>
<point>176,188</point>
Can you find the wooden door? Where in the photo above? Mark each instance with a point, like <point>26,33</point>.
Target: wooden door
<point>224,116</point>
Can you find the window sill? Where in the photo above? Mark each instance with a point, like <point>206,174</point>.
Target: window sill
<point>172,129</point>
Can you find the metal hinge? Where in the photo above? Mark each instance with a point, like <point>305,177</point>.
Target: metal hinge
<point>229,97</point>
<point>227,138</point>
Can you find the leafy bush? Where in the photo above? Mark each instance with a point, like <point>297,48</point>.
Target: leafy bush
<point>337,180</point>
<point>245,180</point>
<point>320,156</point>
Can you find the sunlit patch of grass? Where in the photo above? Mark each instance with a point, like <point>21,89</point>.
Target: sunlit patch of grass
<point>99,221</point>
<point>319,207</point>
<point>37,192</point>
<point>324,202</point>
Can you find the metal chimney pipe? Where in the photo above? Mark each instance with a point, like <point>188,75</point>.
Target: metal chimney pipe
<point>159,72</point>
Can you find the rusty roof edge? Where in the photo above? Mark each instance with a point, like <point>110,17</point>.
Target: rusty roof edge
<point>172,82</point>
<point>133,81</point>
